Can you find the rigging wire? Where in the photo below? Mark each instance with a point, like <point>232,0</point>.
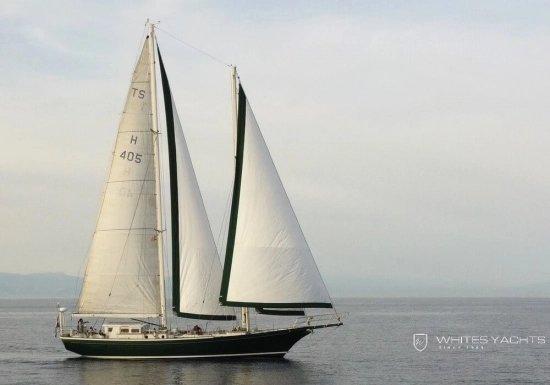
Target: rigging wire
<point>225,223</point>
<point>192,46</point>
<point>322,338</point>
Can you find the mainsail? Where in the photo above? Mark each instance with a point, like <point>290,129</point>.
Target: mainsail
<point>196,266</point>
<point>122,277</point>
<point>264,235</point>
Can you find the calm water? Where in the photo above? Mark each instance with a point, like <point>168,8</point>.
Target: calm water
<point>511,344</point>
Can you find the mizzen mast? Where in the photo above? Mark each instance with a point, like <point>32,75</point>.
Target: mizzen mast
<point>245,323</point>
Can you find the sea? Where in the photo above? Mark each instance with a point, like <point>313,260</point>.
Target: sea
<point>382,341</point>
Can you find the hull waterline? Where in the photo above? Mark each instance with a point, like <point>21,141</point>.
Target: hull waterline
<point>269,344</point>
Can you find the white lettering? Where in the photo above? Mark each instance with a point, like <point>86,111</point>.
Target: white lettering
<point>442,340</point>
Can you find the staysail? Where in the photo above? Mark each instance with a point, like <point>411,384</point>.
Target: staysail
<point>264,234</point>
<point>196,266</point>
<point>122,278</point>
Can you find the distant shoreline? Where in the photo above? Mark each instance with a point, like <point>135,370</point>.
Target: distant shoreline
<point>63,286</point>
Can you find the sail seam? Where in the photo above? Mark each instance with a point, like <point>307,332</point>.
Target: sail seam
<point>128,235</point>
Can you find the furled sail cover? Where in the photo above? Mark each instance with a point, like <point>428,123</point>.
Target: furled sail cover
<point>268,262</point>
<point>196,263</point>
<point>122,277</point>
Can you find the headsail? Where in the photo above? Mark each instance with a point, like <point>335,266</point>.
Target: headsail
<point>122,277</point>
<point>268,263</point>
<point>196,266</point>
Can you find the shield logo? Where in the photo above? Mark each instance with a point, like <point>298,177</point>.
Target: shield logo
<point>420,341</point>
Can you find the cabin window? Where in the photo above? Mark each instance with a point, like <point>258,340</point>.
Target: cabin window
<point>110,329</point>
<point>135,330</point>
<point>124,330</point>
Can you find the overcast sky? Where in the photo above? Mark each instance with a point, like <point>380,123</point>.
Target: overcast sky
<point>412,137</point>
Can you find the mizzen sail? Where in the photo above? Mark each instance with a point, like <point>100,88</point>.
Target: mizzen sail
<point>268,263</point>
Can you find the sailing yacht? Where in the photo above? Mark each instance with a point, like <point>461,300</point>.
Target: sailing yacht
<point>268,265</point>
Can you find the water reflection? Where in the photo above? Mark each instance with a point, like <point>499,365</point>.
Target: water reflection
<point>212,372</point>
<point>240,372</point>
<point>104,372</point>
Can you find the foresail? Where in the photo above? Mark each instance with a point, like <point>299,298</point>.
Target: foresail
<point>122,276</point>
<point>196,265</point>
<point>268,263</point>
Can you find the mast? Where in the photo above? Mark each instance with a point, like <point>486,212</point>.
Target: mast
<point>234,105</point>
<point>155,129</point>
<point>245,324</point>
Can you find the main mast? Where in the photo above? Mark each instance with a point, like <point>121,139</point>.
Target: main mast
<point>154,113</point>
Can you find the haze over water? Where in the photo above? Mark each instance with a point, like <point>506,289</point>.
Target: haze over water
<point>375,345</point>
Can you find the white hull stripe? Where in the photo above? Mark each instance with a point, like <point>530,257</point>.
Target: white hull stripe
<point>194,356</point>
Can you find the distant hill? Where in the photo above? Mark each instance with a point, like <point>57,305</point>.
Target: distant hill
<point>60,285</point>
<point>39,285</point>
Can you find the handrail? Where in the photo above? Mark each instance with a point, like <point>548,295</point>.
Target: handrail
<point>318,320</point>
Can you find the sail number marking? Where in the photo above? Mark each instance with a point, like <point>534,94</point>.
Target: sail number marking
<point>131,156</point>
<point>140,93</point>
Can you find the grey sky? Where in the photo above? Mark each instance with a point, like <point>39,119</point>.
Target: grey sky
<point>411,136</point>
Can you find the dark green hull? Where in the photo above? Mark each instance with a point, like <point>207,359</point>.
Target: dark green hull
<point>258,344</point>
